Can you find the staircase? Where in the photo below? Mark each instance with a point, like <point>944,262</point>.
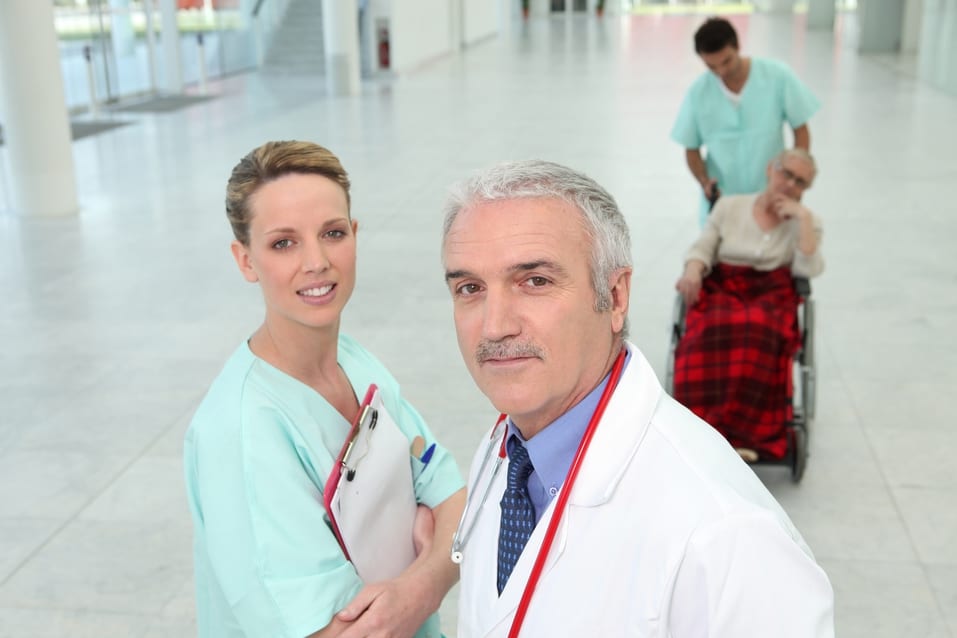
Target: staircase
<point>297,45</point>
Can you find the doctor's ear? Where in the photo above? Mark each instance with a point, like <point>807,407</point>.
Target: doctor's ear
<point>241,255</point>
<point>619,286</point>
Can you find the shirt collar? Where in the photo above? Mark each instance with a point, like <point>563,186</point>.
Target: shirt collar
<point>553,449</point>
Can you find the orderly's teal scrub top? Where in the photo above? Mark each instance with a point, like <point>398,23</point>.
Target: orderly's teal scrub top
<point>741,139</point>
<point>257,456</point>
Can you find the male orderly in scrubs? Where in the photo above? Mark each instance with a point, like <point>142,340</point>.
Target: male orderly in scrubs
<point>737,111</point>
<point>656,528</point>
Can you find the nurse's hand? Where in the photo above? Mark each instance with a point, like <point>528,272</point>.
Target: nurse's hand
<point>391,609</point>
<point>397,608</point>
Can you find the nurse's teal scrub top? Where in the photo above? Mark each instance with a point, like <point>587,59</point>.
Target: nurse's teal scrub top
<point>257,455</point>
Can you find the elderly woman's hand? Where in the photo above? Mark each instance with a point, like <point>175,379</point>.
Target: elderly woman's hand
<point>786,208</point>
<point>690,283</point>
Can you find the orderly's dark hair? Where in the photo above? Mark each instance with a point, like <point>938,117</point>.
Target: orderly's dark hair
<point>271,161</point>
<point>714,35</point>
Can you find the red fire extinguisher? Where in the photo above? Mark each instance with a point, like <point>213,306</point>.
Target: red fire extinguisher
<point>384,48</point>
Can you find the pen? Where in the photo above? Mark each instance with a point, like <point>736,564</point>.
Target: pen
<point>427,455</point>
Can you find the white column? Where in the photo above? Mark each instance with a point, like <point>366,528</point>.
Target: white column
<point>541,7</point>
<point>340,35</point>
<point>910,32</point>
<point>881,22</point>
<point>121,29</point>
<point>820,14</point>
<point>150,43</point>
<point>33,112</point>
<point>173,72</point>
<point>456,25</point>
<point>937,49</point>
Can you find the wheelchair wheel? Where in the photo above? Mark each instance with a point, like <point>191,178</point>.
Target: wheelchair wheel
<point>808,362</point>
<point>677,329</point>
<point>798,452</point>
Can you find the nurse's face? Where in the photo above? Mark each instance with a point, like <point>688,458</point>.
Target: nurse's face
<point>726,63</point>
<point>520,276</point>
<point>302,250</point>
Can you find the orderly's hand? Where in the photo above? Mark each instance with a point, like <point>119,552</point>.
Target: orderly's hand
<point>786,208</point>
<point>690,283</point>
<point>710,188</point>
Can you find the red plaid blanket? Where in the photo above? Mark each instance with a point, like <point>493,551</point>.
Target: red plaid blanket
<point>733,364</point>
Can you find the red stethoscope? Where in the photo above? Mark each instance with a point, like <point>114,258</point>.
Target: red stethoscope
<point>462,534</point>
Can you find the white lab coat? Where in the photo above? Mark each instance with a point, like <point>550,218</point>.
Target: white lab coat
<point>668,533</point>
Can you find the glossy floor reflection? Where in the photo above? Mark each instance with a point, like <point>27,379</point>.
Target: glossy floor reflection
<point>117,320</point>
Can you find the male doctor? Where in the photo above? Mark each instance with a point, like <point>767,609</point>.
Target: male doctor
<point>659,528</point>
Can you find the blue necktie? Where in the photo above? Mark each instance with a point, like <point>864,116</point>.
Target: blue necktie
<point>518,514</point>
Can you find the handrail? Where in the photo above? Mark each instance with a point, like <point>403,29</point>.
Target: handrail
<point>259,4</point>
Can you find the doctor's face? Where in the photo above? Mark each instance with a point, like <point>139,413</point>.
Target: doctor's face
<point>524,307</point>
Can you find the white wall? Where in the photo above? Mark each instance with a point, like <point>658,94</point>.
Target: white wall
<point>420,32</point>
<point>481,19</point>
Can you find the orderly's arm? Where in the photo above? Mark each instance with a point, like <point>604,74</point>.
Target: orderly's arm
<point>699,170</point>
<point>397,608</point>
<point>802,137</point>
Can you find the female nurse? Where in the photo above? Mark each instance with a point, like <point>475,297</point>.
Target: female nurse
<point>267,434</point>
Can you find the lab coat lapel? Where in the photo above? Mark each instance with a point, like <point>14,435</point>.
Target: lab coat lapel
<point>620,432</point>
<point>507,603</point>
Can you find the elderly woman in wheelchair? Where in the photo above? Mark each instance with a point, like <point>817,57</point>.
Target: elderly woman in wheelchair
<point>742,330</point>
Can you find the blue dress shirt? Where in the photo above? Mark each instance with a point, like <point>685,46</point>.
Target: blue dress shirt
<point>553,449</point>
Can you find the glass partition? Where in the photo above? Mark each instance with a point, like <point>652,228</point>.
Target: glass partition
<point>106,51</point>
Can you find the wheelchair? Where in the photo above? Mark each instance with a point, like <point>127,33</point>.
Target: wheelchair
<point>803,379</point>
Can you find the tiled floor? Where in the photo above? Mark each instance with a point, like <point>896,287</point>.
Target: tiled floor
<point>115,322</point>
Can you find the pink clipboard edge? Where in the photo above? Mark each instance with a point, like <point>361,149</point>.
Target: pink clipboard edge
<point>332,482</point>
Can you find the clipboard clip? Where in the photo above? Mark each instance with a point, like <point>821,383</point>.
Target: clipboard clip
<point>372,416</point>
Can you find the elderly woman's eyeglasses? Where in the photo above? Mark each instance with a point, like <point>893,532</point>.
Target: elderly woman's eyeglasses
<point>799,181</point>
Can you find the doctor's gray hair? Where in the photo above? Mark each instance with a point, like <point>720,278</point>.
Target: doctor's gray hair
<point>533,179</point>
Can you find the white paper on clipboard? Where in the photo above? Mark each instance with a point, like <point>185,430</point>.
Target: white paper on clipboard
<point>373,506</point>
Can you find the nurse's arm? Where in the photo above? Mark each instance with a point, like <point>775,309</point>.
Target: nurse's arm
<point>397,608</point>
<point>699,170</point>
<point>802,137</point>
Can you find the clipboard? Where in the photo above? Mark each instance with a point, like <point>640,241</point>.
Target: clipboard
<point>369,495</point>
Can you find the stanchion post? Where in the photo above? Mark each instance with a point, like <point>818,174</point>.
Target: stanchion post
<point>202,62</point>
<point>91,80</point>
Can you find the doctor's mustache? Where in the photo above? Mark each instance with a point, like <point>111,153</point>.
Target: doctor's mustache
<point>506,349</point>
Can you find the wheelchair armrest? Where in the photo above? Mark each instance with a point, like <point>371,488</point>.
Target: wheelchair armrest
<point>678,312</point>
<point>803,286</point>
